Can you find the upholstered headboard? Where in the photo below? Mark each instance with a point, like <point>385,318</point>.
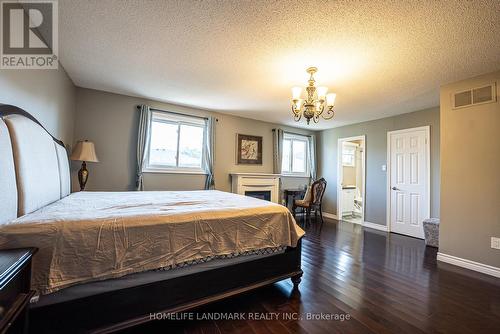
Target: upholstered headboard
<point>34,165</point>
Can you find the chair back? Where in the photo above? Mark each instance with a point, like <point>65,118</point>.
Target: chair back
<point>318,190</point>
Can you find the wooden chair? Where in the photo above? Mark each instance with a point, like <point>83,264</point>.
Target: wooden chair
<point>312,200</point>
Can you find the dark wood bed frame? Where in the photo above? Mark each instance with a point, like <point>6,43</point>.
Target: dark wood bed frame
<point>116,310</point>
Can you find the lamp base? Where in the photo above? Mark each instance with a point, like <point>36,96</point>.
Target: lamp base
<point>83,175</point>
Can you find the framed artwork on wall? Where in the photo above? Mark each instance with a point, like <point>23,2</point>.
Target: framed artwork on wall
<point>249,149</point>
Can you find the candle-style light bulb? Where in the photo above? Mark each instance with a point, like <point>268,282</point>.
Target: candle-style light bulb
<point>322,92</point>
<point>330,99</point>
<point>296,91</point>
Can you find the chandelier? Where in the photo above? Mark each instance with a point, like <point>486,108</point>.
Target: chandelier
<point>316,102</point>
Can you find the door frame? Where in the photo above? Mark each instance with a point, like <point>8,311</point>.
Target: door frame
<point>427,129</point>
<point>340,174</point>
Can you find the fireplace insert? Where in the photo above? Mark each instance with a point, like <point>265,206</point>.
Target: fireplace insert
<point>260,194</point>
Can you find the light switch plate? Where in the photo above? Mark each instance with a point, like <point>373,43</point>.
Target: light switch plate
<point>384,168</point>
<point>495,243</point>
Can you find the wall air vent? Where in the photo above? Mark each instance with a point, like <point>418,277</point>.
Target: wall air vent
<point>474,96</point>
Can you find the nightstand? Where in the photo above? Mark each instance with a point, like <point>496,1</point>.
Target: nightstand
<point>15,293</point>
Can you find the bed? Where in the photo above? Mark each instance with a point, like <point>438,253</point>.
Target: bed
<point>108,260</point>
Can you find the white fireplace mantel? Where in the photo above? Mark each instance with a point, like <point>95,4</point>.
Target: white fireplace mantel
<point>243,182</point>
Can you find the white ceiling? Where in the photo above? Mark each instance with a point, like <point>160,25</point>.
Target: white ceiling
<point>242,57</point>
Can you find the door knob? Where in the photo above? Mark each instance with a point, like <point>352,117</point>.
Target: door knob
<point>394,188</point>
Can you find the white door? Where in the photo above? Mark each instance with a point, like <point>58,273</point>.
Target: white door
<point>409,180</point>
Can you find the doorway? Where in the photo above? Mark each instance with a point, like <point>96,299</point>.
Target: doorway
<point>408,180</point>
<point>351,179</point>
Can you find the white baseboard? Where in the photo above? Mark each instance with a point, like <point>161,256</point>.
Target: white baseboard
<point>330,215</point>
<point>375,226</point>
<point>365,224</point>
<point>468,264</point>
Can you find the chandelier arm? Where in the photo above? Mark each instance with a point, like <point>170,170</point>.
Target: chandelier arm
<point>297,117</point>
<point>329,114</point>
<point>322,109</point>
<point>295,111</point>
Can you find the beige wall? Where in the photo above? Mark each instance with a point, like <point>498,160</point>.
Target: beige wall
<point>470,182</point>
<point>376,156</point>
<point>111,120</point>
<point>49,95</point>
<point>349,175</point>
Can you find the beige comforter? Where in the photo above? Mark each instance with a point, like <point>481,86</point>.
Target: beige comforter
<point>99,235</point>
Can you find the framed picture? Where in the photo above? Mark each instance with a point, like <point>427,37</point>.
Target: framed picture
<point>249,149</point>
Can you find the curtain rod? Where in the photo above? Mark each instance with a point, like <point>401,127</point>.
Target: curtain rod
<point>295,133</point>
<point>173,112</point>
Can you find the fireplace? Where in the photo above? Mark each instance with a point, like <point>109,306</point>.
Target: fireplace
<point>260,194</point>
<point>259,185</point>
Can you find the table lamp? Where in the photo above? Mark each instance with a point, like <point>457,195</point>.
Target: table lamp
<point>84,151</point>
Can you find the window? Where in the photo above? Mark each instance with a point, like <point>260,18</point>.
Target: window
<point>295,150</point>
<point>348,155</point>
<point>177,143</point>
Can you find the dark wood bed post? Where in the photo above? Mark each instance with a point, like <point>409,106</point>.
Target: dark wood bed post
<point>296,280</point>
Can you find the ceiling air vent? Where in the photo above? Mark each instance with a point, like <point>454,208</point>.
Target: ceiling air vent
<point>474,96</point>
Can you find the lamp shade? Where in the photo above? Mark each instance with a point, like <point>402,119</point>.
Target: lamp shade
<point>84,150</point>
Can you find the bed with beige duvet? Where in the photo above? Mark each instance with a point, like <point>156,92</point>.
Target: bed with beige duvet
<point>121,256</point>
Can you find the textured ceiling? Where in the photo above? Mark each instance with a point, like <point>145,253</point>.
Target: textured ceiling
<point>382,58</point>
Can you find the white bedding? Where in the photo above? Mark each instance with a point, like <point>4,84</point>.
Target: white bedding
<point>99,235</point>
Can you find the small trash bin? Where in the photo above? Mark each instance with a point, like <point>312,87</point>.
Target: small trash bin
<point>431,231</point>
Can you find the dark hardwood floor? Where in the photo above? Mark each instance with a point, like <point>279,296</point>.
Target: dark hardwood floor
<point>384,283</point>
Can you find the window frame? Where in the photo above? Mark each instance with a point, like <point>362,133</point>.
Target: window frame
<point>168,118</point>
<point>352,148</point>
<point>296,137</point>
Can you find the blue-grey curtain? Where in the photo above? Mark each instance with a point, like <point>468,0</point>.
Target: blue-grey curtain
<point>277,150</point>
<point>278,156</point>
<point>312,157</point>
<point>209,158</point>
<point>143,138</point>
